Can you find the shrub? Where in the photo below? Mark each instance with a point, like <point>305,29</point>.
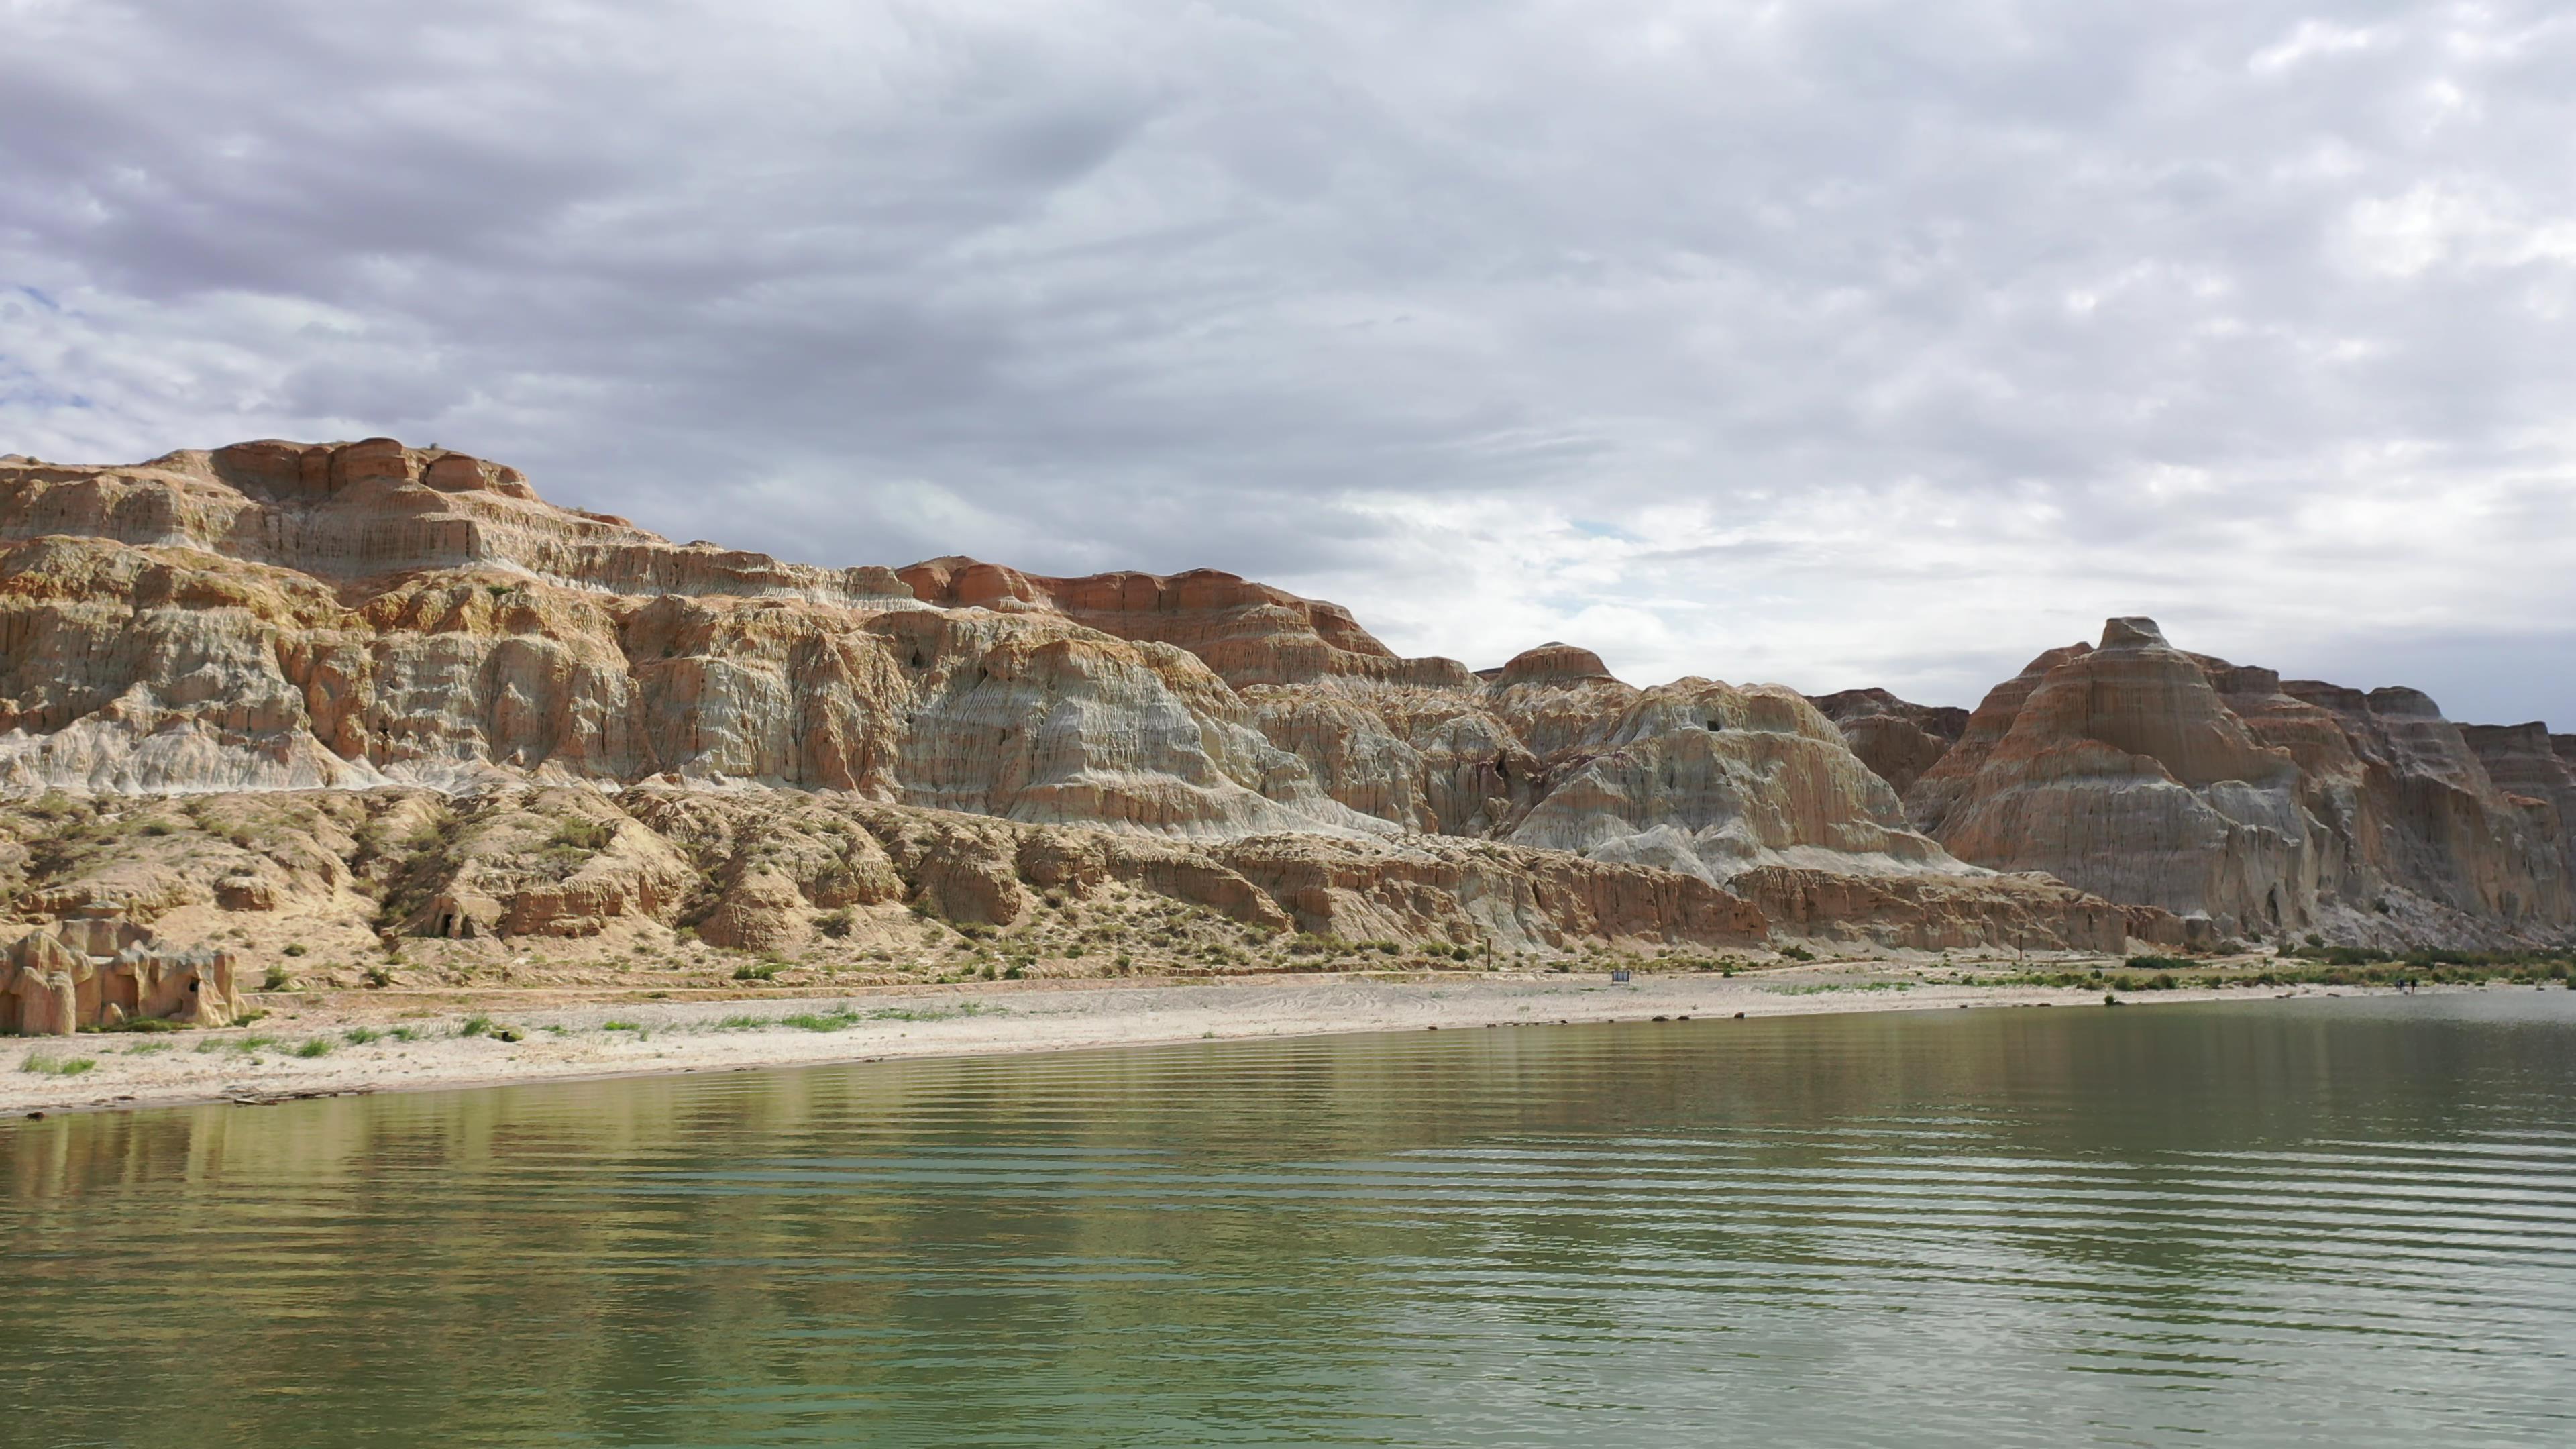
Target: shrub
<point>50,1066</point>
<point>1797,953</point>
<point>759,971</point>
<point>147,1024</point>
<point>476,1025</point>
<point>621,1026</point>
<point>378,977</point>
<point>2158,963</point>
<point>276,979</point>
<point>316,1047</point>
<point>297,949</point>
<point>591,836</point>
<point>836,924</point>
<point>361,1035</point>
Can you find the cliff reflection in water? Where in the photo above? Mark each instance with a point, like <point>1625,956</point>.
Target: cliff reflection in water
<point>2284,1223</point>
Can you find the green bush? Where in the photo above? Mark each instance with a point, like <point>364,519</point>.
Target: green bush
<point>1797,953</point>
<point>2158,963</point>
<point>756,971</point>
<point>276,979</point>
<point>50,1066</point>
<point>577,834</point>
<point>476,1025</point>
<point>297,949</point>
<point>316,1047</point>
<point>836,924</point>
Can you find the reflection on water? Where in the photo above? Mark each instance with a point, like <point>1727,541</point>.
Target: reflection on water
<point>2339,1222</point>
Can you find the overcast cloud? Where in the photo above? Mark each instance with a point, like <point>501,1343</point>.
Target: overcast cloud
<point>1836,342</point>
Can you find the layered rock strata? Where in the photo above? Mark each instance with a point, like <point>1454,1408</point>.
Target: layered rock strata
<point>1897,739</point>
<point>370,617</point>
<point>2153,776</point>
<point>345,875</point>
<point>276,615</point>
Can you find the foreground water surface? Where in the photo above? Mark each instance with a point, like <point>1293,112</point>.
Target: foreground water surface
<point>2317,1222</point>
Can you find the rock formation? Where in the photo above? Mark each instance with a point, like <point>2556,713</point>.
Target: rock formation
<point>415,627</point>
<point>1896,739</point>
<point>96,970</point>
<point>2152,776</point>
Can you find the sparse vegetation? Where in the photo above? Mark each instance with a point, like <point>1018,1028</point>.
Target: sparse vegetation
<point>312,1047</point>
<point>46,1065</point>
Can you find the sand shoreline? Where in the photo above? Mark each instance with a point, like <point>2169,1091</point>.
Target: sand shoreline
<point>569,1040</point>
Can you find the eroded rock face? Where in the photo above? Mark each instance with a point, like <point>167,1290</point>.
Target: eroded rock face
<point>518,867</point>
<point>2152,776</point>
<point>353,617</point>
<point>97,969</point>
<point>1897,739</point>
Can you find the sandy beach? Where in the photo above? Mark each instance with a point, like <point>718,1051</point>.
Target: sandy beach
<point>388,1041</point>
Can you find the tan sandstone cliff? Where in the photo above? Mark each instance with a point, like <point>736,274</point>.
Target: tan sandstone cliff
<point>367,616</point>
<point>419,633</point>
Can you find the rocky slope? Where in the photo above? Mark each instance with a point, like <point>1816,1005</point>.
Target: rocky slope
<point>2158,777</point>
<point>419,632</point>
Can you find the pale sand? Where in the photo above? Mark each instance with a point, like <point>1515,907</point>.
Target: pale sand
<point>564,1041</point>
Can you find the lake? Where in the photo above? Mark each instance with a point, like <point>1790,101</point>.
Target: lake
<point>2325,1221</point>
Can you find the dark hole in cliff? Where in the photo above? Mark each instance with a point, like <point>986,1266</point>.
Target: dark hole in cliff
<point>1717,724</point>
<point>192,988</point>
<point>917,661</point>
<point>447,924</point>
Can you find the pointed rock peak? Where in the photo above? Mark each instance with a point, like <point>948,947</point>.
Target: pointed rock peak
<point>1554,663</point>
<point>2132,633</point>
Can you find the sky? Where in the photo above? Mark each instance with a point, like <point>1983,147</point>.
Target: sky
<point>1836,343</point>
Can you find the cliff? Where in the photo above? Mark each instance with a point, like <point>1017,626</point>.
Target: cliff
<point>2157,777</point>
<point>420,626</point>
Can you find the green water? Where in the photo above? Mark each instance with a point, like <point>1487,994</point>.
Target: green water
<point>2340,1222</point>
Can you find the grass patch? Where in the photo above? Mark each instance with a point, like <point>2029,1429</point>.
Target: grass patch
<point>634,1026</point>
<point>761,971</point>
<point>309,1049</point>
<point>476,1025</point>
<point>142,1025</point>
<point>52,1066</point>
<point>361,1035</point>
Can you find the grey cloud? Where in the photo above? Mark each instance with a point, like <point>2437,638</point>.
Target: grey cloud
<point>1339,295</point>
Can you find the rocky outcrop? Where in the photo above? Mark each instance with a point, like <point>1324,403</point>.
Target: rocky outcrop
<point>1248,633</point>
<point>370,618</point>
<point>1897,739</point>
<point>2156,777</point>
<point>96,969</point>
<point>2536,769</point>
